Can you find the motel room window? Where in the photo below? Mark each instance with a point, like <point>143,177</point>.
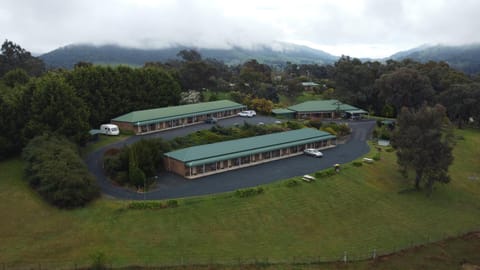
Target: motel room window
<point>245,159</point>
<point>210,167</point>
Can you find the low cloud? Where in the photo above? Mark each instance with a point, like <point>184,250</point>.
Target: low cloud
<point>355,27</point>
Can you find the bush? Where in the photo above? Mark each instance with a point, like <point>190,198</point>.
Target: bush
<point>316,123</point>
<point>329,130</point>
<point>152,205</point>
<point>390,149</point>
<point>376,157</point>
<point>357,163</point>
<point>56,171</point>
<point>172,203</point>
<point>99,261</point>
<point>342,129</point>
<point>294,125</point>
<point>292,183</point>
<point>325,173</point>
<point>141,205</point>
<point>249,192</point>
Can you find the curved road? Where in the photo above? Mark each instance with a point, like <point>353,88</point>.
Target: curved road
<point>171,185</point>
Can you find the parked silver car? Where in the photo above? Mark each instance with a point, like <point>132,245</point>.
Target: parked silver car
<point>313,152</point>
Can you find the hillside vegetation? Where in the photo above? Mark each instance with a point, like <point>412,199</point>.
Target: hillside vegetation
<point>465,58</point>
<point>359,210</point>
<point>67,57</point>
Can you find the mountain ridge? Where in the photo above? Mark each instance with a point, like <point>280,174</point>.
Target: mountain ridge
<point>461,57</point>
<point>68,56</point>
<point>465,58</point>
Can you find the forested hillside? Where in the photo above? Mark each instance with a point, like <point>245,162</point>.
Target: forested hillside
<point>465,58</point>
<point>68,56</point>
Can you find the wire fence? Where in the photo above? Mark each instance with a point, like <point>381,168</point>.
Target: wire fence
<point>215,260</point>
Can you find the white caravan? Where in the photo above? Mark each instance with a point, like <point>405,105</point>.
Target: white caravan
<point>109,129</point>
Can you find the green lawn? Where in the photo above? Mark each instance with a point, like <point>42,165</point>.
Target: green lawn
<point>102,141</point>
<point>356,211</point>
<point>305,96</point>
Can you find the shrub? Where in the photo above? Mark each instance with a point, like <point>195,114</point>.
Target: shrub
<point>152,205</point>
<point>294,125</point>
<point>376,157</point>
<point>316,123</point>
<point>99,261</point>
<point>390,149</point>
<point>325,173</point>
<point>292,183</point>
<point>249,192</point>
<point>329,130</point>
<point>57,172</point>
<point>357,163</point>
<point>343,130</point>
<point>172,203</point>
<point>121,177</point>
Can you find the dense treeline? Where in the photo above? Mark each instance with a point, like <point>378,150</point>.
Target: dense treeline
<point>384,89</point>
<point>69,103</point>
<point>56,171</point>
<point>111,91</point>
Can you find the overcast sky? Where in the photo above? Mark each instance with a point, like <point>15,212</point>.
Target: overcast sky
<point>359,28</point>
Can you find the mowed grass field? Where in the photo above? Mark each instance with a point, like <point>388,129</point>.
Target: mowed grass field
<point>359,210</point>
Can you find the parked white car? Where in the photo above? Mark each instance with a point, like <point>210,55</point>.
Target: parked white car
<point>250,113</point>
<point>313,152</point>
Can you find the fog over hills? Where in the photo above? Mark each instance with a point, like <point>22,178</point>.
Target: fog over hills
<point>273,54</point>
<point>465,57</point>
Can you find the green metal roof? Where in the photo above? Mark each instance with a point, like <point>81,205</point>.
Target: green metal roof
<point>388,122</point>
<point>208,153</point>
<point>176,112</point>
<point>310,84</point>
<point>282,111</point>
<point>355,111</point>
<point>328,105</point>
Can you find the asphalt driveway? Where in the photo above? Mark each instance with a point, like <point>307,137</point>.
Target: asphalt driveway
<point>170,185</point>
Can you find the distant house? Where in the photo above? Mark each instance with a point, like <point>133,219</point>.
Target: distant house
<point>153,120</point>
<point>310,86</point>
<point>321,109</point>
<point>202,160</point>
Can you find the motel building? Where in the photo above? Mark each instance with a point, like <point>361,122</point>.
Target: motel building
<point>321,109</point>
<point>154,120</point>
<point>203,160</point>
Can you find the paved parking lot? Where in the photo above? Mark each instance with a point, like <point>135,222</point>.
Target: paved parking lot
<point>170,185</point>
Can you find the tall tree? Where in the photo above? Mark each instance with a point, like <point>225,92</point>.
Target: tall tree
<point>423,140</point>
<point>190,55</point>
<point>55,107</point>
<point>462,102</point>
<point>405,87</point>
<point>13,56</point>
<point>12,120</point>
